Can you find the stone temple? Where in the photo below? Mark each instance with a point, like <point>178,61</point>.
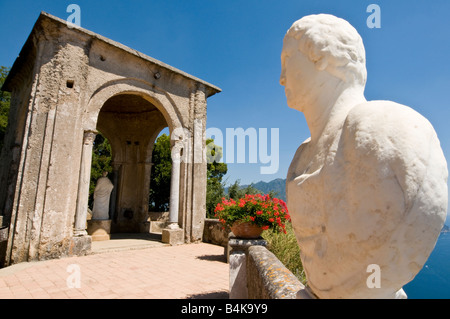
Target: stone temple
<point>67,85</point>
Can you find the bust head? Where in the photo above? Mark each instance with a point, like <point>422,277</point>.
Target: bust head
<point>321,46</point>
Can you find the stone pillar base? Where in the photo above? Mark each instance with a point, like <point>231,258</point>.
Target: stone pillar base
<point>99,229</point>
<point>238,249</point>
<point>173,236</point>
<point>3,243</point>
<point>80,246</point>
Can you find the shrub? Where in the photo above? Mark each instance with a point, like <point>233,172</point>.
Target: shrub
<point>286,249</point>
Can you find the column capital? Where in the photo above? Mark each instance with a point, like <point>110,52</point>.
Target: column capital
<point>177,146</point>
<point>89,137</point>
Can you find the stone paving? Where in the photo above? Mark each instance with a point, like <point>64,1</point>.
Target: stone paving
<point>125,270</point>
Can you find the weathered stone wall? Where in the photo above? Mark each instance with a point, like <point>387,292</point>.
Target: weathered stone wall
<point>256,273</point>
<point>41,219</point>
<point>268,278</point>
<point>215,233</point>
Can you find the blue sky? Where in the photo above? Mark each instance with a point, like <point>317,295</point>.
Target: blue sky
<point>236,45</point>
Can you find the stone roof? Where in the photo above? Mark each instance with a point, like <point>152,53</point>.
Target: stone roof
<point>210,89</point>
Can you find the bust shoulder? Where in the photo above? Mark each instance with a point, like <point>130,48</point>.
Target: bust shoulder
<point>386,117</point>
<point>382,138</point>
<point>386,125</point>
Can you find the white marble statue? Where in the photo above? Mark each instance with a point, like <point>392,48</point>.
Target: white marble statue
<point>367,191</point>
<point>102,195</point>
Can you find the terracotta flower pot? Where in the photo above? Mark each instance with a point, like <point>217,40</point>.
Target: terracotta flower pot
<point>246,230</point>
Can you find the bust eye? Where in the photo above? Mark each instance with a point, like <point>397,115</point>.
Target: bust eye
<point>284,57</point>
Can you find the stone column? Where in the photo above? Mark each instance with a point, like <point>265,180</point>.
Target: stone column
<point>199,170</point>
<point>83,183</point>
<point>173,234</point>
<point>175,185</point>
<point>238,264</point>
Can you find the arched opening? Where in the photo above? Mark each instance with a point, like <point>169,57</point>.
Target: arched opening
<point>131,124</point>
<point>161,175</point>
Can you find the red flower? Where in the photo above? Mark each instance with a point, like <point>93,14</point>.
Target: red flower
<point>254,208</point>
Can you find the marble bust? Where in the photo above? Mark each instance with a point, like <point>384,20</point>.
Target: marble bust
<point>102,194</point>
<point>369,187</point>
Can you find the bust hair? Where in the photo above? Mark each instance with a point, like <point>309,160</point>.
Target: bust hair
<point>333,45</point>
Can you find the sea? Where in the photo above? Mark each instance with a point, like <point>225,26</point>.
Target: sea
<point>433,281</point>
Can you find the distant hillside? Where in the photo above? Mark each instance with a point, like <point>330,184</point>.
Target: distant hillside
<point>277,185</point>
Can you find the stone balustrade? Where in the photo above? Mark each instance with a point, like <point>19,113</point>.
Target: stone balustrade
<point>256,273</point>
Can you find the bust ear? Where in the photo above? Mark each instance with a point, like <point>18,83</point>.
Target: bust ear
<point>321,64</point>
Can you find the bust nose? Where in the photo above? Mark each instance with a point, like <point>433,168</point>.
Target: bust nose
<point>283,78</point>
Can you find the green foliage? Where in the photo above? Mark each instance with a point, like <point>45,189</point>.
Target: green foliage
<point>215,171</point>
<point>236,191</point>
<point>214,154</point>
<point>159,196</point>
<point>214,193</point>
<point>276,186</point>
<point>101,162</point>
<point>285,248</point>
<point>5,99</point>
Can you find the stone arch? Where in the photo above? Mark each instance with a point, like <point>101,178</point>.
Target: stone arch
<point>130,189</point>
<point>159,98</point>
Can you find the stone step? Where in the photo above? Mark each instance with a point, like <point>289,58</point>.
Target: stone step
<point>156,227</point>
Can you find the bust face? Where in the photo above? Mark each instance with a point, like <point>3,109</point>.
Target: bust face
<point>298,75</point>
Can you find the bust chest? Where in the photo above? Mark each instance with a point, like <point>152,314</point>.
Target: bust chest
<point>307,182</point>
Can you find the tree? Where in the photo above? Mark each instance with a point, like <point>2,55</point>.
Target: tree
<point>159,195</point>
<point>214,154</point>
<point>215,189</point>
<point>5,99</point>
<point>236,191</point>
